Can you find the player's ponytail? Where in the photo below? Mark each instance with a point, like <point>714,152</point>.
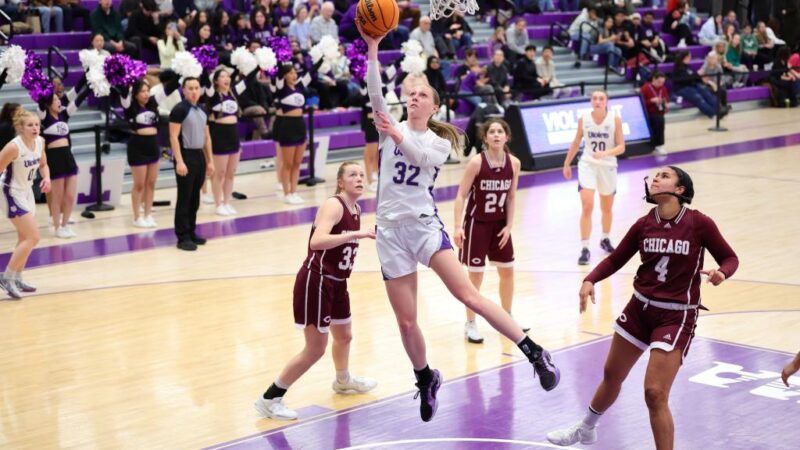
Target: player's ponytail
<point>442,129</point>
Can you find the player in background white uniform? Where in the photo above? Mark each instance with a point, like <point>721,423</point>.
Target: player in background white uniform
<point>19,161</point>
<point>601,132</point>
<point>409,230</point>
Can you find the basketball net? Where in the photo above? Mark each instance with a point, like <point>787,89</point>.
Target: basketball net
<point>446,8</point>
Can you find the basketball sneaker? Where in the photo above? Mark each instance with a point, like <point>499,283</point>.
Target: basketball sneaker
<point>141,222</point>
<point>471,333</point>
<point>151,222</point>
<point>230,209</point>
<point>25,287</point>
<point>274,409</point>
<point>10,287</point>
<point>222,210</point>
<point>356,385</point>
<point>584,259</point>
<point>578,432</point>
<point>605,244</point>
<point>428,403</point>
<point>549,375</point>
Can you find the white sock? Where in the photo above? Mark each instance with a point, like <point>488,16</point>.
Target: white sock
<point>10,275</point>
<point>604,236</point>
<point>343,376</point>
<point>591,418</point>
<point>585,244</point>
<point>281,384</point>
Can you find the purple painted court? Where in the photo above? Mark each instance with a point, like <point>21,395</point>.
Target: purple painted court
<point>719,385</point>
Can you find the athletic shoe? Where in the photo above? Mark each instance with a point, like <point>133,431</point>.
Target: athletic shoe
<point>549,375</point>
<point>25,287</point>
<point>230,209</point>
<point>356,385</point>
<point>151,222</point>
<point>141,222</point>
<point>222,210</point>
<point>660,151</point>
<point>295,199</point>
<point>10,287</point>
<point>605,244</point>
<point>525,328</point>
<point>274,409</point>
<point>208,200</point>
<point>471,333</point>
<point>578,432</point>
<point>279,187</point>
<point>69,230</point>
<point>187,245</point>
<point>198,240</point>
<point>584,259</point>
<point>428,403</point>
<point>62,233</point>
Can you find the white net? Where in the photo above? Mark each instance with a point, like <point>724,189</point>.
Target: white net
<point>446,8</point>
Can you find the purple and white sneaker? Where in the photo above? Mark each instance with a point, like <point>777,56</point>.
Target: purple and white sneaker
<point>428,403</point>
<point>549,375</point>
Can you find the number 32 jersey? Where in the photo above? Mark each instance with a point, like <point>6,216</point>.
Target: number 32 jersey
<point>336,262</point>
<point>598,138</point>
<point>487,198</point>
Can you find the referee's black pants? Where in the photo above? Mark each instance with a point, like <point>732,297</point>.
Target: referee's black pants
<point>189,187</point>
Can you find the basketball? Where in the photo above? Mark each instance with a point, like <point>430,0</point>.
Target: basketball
<point>377,17</point>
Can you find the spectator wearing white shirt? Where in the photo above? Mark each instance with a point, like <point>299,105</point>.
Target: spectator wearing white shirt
<point>324,25</point>
<point>300,27</point>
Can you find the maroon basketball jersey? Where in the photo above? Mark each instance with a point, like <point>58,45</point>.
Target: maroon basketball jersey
<point>336,262</point>
<point>487,199</point>
<point>672,255</point>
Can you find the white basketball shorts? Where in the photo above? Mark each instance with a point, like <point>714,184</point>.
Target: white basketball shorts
<point>600,178</point>
<point>403,244</point>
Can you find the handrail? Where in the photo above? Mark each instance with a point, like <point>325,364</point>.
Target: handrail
<point>581,39</point>
<point>7,37</point>
<point>551,40</point>
<point>52,72</point>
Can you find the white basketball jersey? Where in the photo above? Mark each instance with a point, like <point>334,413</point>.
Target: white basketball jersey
<point>598,138</point>
<point>19,175</point>
<point>405,191</point>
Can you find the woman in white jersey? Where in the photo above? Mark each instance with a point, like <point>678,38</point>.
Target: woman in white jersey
<point>601,132</point>
<point>409,230</point>
<point>19,161</point>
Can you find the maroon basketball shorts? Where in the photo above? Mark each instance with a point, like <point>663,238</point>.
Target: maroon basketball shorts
<point>481,241</point>
<point>320,301</point>
<point>649,326</point>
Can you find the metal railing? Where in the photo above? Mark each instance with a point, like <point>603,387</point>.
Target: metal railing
<point>52,72</point>
<point>6,38</point>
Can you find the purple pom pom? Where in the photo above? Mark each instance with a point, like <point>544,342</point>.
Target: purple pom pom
<point>357,54</point>
<point>34,80</point>
<point>282,48</point>
<point>121,70</point>
<point>207,56</point>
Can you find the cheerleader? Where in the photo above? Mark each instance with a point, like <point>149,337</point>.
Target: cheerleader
<point>54,115</point>
<point>19,160</point>
<point>290,131</point>
<point>224,127</point>
<point>144,153</point>
<point>371,138</point>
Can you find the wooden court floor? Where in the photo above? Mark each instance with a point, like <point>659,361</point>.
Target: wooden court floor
<point>166,349</point>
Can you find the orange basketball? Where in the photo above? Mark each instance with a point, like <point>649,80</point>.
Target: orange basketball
<point>377,17</point>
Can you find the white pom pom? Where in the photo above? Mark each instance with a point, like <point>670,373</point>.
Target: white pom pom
<point>324,68</point>
<point>243,60</point>
<point>13,61</point>
<point>89,58</point>
<point>186,65</point>
<point>412,47</point>
<point>96,78</point>
<point>413,64</point>
<point>265,58</point>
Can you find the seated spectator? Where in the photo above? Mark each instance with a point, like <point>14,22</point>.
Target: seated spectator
<point>171,42</point>
<point>300,27</point>
<point>649,40</point>
<point>451,34</point>
<point>424,36</point>
<point>409,10</point>
<point>201,37</point>
<point>260,29</point>
<point>73,9</point>
<point>784,80</point>
<point>324,25</point>
<point>606,45</point>
<point>282,16</point>
<point>546,70</point>
<point>729,31</point>
<point>768,44</point>
<point>498,41</point>
<point>471,63</point>
<point>749,47</point>
<point>476,81</point>
<point>313,7</point>
<point>224,36</point>
<point>17,11</point>
<point>730,19</point>
<point>713,77</point>
<point>497,72</point>
<point>677,24</point>
<point>48,11</point>
<point>143,28</point>
<point>436,79</point>
<point>623,28</point>
<point>106,21</point>
<point>527,79</point>
<point>584,30</point>
<point>198,20</point>
<point>734,57</point>
<point>656,101</point>
<point>185,11</point>
<point>517,38</point>
<point>689,85</point>
<point>349,89</point>
<point>711,31</point>
<point>735,76</point>
<point>242,34</point>
<point>98,43</point>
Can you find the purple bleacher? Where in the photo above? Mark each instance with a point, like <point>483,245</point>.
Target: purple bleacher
<point>539,32</point>
<point>389,56</point>
<point>748,93</point>
<point>72,40</point>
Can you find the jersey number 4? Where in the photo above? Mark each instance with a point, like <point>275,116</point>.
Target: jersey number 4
<point>492,202</point>
<point>661,268</point>
<point>348,258</point>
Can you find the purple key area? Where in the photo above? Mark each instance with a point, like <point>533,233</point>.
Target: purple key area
<point>726,396</point>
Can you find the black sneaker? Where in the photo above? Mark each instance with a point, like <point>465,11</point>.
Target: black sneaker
<point>238,196</point>
<point>187,245</point>
<point>428,403</point>
<point>198,240</point>
<point>584,259</point>
<point>549,375</point>
<point>605,244</point>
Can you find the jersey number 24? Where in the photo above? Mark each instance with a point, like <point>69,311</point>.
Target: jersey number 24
<point>492,202</point>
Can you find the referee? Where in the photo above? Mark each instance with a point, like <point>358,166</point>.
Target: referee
<point>191,148</point>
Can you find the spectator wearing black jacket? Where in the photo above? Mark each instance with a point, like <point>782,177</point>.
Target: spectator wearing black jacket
<point>526,78</point>
<point>451,34</point>
<point>498,76</point>
<point>688,84</point>
<point>144,27</point>
<point>254,102</point>
<point>783,79</point>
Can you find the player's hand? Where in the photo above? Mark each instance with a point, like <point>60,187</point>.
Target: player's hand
<point>365,234</point>
<point>458,237</point>
<point>586,292</point>
<point>599,154</point>
<point>504,235</point>
<point>367,38</point>
<point>210,169</point>
<point>44,185</point>
<point>567,172</point>
<point>384,125</point>
<point>181,169</point>
<point>715,277</point>
<point>790,370</point>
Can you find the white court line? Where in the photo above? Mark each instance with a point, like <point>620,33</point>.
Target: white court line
<point>419,441</point>
<point>389,399</point>
<point>749,347</point>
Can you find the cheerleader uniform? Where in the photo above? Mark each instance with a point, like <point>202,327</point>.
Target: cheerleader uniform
<point>17,199</point>
<point>142,149</point>
<point>60,159</point>
<point>224,136</point>
<point>290,130</point>
<point>367,122</point>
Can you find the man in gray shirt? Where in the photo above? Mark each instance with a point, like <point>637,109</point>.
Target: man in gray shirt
<point>517,37</point>
<point>423,35</point>
<point>191,148</point>
<point>324,25</point>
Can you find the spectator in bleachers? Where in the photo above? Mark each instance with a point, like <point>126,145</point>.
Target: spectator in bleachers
<point>98,43</point>
<point>730,19</point>
<point>185,11</point>
<point>49,12</point>
<point>126,8</point>
<point>324,25</point>
<point>254,102</point>
<point>546,70</point>
<point>242,35</point>
<point>409,11</point>
<point>585,34</point>
<point>208,5</point>
<point>143,25</point>
<point>649,39</point>
<point>260,29</point>
<point>17,11</point>
<point>735,76</point>
<point>200,18</point>
<point>711,31</point>
<point>749,47</point>
<point>783,79</point>
<point>347,23</point>
<point>606,45</point>
<point>471,63</point>
<point>433,72</point>
<point>424,36</point>
<point>733,56</point>
<point>711,72</point>
<point>569,5</point>
<point>527,79</point>
<point>451,34</point>
<point>497,72</point>
<point>201,37</point>
<point>224,36</point>
<point>788,12</point>
<point>729,31</point>
<point>350,90</point>
<point>300,27</point>
<point>656,100</point>
<point>73,9</point>
<point>498,41</point>
<point>689,85</point>
<point>517,38</point>
<point>106,21</point>
<point>623,28</point>
<point>282,15</point>
<point>171,42</point>
<point>546,5</point>
<point>677,25</point>
<point>313,7</point>
<point>476,81</point>
<point>768,44</point>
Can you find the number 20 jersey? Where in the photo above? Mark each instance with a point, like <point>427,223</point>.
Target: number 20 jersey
<point>489,192</point>
<point>599,138</point>
<point>336,262</point>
